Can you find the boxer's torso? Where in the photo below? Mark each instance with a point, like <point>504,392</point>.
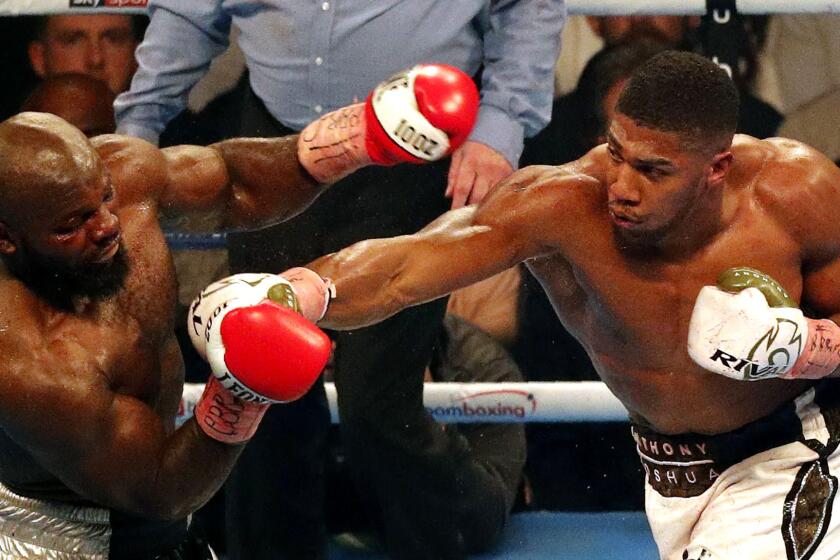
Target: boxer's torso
<point>128,338</point>
<point>631,308</point>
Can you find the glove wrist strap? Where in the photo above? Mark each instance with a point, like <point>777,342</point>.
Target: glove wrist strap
<point>821,354</point>
<point>333,146</point>
<point>225,417</point>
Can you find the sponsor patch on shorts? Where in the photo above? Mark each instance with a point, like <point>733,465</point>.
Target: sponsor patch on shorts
<point>677,468</point>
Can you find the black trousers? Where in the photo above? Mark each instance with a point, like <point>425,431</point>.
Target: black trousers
<point>407,468</point>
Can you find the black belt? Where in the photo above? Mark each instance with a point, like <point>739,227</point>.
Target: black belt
<point>686,465</point>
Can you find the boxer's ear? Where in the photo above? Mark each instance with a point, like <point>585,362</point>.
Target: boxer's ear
<point>719,167</point>
<point>37,58</point>
<point>7,243</point>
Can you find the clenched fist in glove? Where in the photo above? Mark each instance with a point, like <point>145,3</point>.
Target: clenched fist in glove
<point>260,348</point>
<point>416,116</point>
<point>748,328</point>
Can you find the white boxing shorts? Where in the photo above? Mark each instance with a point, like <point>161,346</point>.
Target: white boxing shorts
<point>767,490</point>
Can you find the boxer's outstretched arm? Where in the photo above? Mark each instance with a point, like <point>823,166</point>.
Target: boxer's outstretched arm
<point>416,116</point>
<point>237,183</point>
<point>376,278</point>
<point>245,182</point>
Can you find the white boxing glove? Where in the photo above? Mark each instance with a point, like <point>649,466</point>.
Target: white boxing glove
<point>752,329</point>
<point>239,290</point>
<point>742,337</point>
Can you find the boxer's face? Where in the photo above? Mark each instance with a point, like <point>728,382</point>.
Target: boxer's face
<point>82,229</point>
<point>101,46</point>
<point>72,241</point>
<point>653,180</point>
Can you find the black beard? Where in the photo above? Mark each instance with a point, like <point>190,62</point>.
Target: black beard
<point>61,285</point>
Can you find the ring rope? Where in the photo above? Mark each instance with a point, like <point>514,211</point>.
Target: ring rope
<point>497,403</point>
<point>587,7</point>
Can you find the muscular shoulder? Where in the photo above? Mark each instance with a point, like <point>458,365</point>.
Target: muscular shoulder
<point>23,323</point>
<point>575,181</point>
<point>800,188</point>
<point>544,200</point>
<point>138,169</point>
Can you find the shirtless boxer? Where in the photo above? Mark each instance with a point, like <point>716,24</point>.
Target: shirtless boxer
<point>623,240</point>
<point>90,463</point>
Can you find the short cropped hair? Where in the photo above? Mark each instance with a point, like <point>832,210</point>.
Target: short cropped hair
<point>610,65</point>
<point>685,93</point>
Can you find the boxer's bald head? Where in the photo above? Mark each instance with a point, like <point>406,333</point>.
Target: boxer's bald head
<point>43,159</point>
<point>57,231</point>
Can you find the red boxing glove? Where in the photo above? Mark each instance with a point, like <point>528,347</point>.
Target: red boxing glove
<point>416,116</point>
<point>422,114</point>
<point>260,352</point>
<point>270,353</point>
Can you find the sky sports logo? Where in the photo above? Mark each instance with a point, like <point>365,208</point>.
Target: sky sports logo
<point>108,3</point>
<point>487,405</point>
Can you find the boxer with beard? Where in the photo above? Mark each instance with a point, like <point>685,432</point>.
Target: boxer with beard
<point>91,465</point>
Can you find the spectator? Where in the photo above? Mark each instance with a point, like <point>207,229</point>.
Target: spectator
<point>816,123</point>
<point>579,118</point>
<point>757,117</point>
<point>275,501</point>
<point>800,72</point>
<point>84,102</point>
<point>491,305</point>
<point>798,62</point>
<point>99,45</point>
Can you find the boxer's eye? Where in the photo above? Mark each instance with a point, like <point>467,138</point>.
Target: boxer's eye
<point>651,172</point>
<point>66,230</point>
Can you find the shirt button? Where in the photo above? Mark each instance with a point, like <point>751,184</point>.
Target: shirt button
<point>325,6</point>
<point>319,61</point>
<point>318,108</point>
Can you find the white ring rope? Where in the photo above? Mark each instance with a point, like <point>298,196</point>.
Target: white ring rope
<point>498,403</point>
<point>588,7</point>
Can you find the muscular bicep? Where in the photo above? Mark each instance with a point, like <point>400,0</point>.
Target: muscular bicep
<point>804,198</point>
<point>197,188</point>
<point>101,444</point>
<point>241,183</point>
<point>821,290</point>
